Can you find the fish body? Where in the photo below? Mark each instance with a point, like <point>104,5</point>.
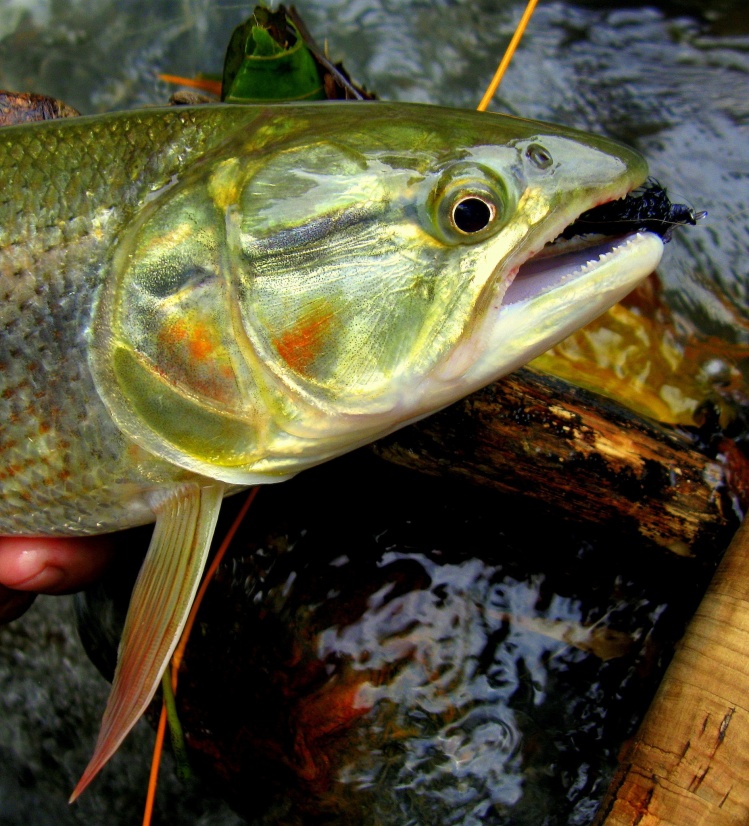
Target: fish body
<point>201,298</point>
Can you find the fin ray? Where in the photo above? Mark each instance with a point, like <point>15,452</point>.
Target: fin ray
<point>161,600</point>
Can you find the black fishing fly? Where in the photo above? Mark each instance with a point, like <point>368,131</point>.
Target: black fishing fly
<point>648,208</point>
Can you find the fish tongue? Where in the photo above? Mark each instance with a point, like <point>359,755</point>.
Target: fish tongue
<point>556,264</point>
<point>161,600</point>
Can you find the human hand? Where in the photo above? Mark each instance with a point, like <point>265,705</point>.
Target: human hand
<point>47,565</point>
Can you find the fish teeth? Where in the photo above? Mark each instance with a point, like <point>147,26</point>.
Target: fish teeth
<point>538,275</point>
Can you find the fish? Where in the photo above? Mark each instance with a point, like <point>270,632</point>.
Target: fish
<point>198,299</point>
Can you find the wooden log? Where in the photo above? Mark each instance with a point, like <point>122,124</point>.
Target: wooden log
<point>25,107</point>
<point>689,763</point>
<point>540,437</point>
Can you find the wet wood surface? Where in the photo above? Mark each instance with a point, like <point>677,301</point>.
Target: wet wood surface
<point>25,107</point>
<point>537,436</point>
<point>688,764</point>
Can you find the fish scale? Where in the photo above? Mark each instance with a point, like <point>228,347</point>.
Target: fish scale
<point>66,467</point>
<point>60,447</point>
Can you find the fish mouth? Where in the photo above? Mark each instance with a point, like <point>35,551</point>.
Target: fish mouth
<point>563,260</point>
<point>574,278</point>
<point>609,229</point>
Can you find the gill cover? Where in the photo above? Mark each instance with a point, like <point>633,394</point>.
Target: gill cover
<point>289,296</point>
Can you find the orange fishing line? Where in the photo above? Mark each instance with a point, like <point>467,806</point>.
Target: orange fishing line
<point>153,778</point>
<point>203,83</point>
<point>505,62</point>
<point>180,651</point>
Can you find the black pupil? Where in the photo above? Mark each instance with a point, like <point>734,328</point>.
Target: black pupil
<point>472,215</point>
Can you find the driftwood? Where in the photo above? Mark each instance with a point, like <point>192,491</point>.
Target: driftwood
<point>689,763</point>
<point>540,437</point>
<point>25,107</point>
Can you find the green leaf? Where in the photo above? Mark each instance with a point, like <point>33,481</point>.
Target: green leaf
<point>267,61</point>
<point>265,45</point>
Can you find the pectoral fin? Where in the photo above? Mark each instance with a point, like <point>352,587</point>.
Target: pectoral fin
<point>159,606</point>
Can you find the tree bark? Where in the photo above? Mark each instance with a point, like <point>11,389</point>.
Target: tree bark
<point>540,437</point>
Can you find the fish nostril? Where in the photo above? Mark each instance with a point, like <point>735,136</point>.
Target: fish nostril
<point>539,156</point>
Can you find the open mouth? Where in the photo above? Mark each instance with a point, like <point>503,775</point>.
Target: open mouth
<point>597,236</point>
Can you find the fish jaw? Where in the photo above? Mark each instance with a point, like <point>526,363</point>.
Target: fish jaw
<point>269,310</point>
<point>543,304</point>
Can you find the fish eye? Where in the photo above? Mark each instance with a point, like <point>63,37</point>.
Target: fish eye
<point>472,214</point>
<point>468,203</point>
<point>539,156</point>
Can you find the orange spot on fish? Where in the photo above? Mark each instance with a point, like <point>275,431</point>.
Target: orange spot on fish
<point>300,345</point>
<point>135,452</point>
<point>201,347</point>
<point>198,338</point>
<point>192,353</point>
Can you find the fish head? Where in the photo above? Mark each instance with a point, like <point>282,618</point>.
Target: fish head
<point>333,271</point>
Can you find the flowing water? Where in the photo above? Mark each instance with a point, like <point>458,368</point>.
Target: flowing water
<point>472,658</point>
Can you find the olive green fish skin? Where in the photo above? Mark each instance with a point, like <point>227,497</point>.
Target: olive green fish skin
<point>68,188</point>
<point>93,213</point>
